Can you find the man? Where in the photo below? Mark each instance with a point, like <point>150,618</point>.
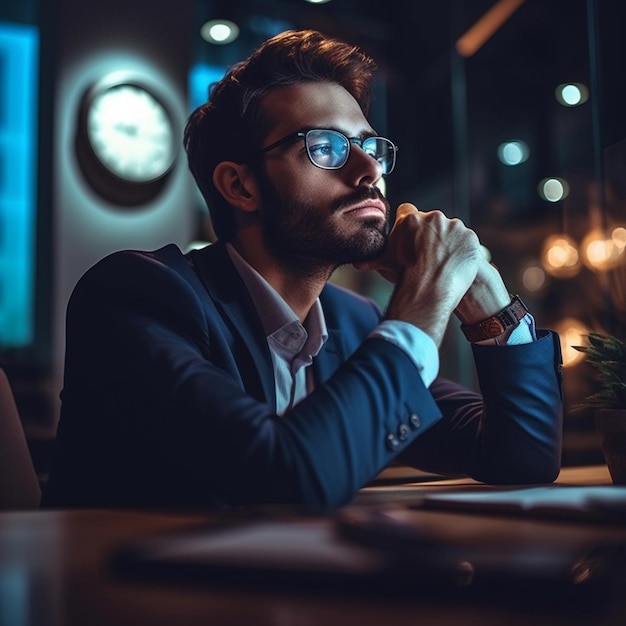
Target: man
<point>236,375</point>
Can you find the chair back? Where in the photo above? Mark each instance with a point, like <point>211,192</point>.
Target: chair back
<point>19,486</point>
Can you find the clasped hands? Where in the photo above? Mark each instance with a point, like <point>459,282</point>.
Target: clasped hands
<point>438,270</point>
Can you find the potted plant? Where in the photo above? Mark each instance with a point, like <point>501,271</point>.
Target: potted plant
<point>607,354</point>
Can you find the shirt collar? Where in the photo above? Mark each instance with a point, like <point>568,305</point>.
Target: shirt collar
<point>275,313</point>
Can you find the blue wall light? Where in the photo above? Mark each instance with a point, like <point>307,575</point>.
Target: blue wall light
<point>19,62</point>
<point>201,77</point>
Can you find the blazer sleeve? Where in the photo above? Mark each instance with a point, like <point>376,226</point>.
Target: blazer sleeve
<point>512,433</point>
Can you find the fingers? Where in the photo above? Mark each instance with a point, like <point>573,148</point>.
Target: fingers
<point>422,242</point>
<point>412,231</point>
<point>436,260</point>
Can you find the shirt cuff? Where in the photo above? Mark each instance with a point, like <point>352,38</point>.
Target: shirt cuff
<point>419,346</point>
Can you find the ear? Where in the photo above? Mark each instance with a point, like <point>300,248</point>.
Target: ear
<point>237,184</point>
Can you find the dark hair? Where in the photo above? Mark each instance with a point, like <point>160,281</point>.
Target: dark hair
<point>231,127</point>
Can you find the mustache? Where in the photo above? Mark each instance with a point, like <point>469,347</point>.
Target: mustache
<point>360,195</point>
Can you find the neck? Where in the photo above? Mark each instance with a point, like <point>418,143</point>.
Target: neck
<point>298,281</point>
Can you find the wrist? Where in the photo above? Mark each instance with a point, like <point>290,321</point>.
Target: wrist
<point>487,296</point>
<point>496,325</point>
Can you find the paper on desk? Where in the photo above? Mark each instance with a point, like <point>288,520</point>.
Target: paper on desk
<point>587,502</point>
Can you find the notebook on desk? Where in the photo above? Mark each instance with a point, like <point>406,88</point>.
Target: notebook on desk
<point>592,502</point>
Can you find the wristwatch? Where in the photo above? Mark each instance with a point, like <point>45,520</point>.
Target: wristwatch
<point>495,325</point>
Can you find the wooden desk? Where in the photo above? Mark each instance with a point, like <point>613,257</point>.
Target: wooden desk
<point>405,484</point>
<point>54,570</point>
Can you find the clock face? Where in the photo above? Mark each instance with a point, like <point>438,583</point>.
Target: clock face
<point>131,133</point>
<point>126,144</point>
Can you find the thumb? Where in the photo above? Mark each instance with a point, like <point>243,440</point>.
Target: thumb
<point>405,209</point>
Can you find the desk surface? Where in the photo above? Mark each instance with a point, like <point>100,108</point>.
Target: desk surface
<point>54,571</point>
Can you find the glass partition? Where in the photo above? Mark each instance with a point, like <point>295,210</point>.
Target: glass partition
<point>508,114</point>
<point>539,182</point>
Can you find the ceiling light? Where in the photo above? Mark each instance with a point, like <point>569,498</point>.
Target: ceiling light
<point>486,26</point>
<point>572,94</point>
<point>219,31</point>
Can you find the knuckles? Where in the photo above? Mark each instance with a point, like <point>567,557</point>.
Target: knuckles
<point>434,223</point>
<point>417,236</point>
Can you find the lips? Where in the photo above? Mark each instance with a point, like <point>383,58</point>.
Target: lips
<point>371,208</point>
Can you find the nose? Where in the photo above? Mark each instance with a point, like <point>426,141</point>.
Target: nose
<point>361,168</point>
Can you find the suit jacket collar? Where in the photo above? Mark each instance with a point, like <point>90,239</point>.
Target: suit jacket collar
<point>218,274</point>
<point>225,286</point>
<point>330,357</point>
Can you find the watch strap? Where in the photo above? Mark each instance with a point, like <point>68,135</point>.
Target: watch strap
<point>497,324</point>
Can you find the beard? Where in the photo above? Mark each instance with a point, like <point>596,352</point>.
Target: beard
<point>304,235</point>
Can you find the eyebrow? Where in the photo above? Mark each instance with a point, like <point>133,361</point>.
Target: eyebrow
<point>364,134</point>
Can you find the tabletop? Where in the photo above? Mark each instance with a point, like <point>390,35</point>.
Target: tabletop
<point>56,569</point>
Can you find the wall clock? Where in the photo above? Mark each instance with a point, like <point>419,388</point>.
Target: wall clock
<point>126,141</point>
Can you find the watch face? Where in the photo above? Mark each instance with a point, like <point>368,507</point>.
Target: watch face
<point>131,133</point>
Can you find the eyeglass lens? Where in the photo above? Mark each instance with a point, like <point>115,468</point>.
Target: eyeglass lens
<point>329,149</point>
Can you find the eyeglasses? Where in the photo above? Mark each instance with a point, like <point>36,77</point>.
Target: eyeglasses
<point>330,149</point>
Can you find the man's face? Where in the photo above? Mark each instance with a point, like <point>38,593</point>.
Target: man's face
<point>311,215</point>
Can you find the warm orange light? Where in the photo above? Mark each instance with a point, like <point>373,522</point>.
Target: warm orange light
<point>559,256</point>
<point>619,237</point>
<point>572,332</point>
<point>600,250</point>
<point>486,26</point>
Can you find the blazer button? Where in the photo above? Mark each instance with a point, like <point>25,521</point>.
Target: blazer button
<point>403,432</point>
<point>414,421</point>
<point>392,442</point>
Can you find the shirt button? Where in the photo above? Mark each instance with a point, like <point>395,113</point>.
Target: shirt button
<point>403,432</point>
<point>392,442</point>
<point>414,421</point>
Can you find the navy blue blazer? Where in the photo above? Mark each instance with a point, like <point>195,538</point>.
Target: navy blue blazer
<point>168,398</point>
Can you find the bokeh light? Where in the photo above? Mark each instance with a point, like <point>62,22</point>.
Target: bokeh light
<point>619,237</point>
<point>513,152</point>
<point>572,94</point>
<point>559,256</point>
<point>600,251</point>
<point>553,189</point>
<point>572,332</point>
<point>534,277</point>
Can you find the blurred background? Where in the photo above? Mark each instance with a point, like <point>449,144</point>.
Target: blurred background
<point>508,113</point>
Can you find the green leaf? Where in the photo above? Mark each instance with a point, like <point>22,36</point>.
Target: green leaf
<point>607,354</point>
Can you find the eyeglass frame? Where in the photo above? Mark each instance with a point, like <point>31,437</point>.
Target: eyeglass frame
<point>302,134</point>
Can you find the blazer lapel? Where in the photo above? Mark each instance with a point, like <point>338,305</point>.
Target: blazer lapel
<point>224,285</point>
<point>227,290</point>
<point>330,357</point>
